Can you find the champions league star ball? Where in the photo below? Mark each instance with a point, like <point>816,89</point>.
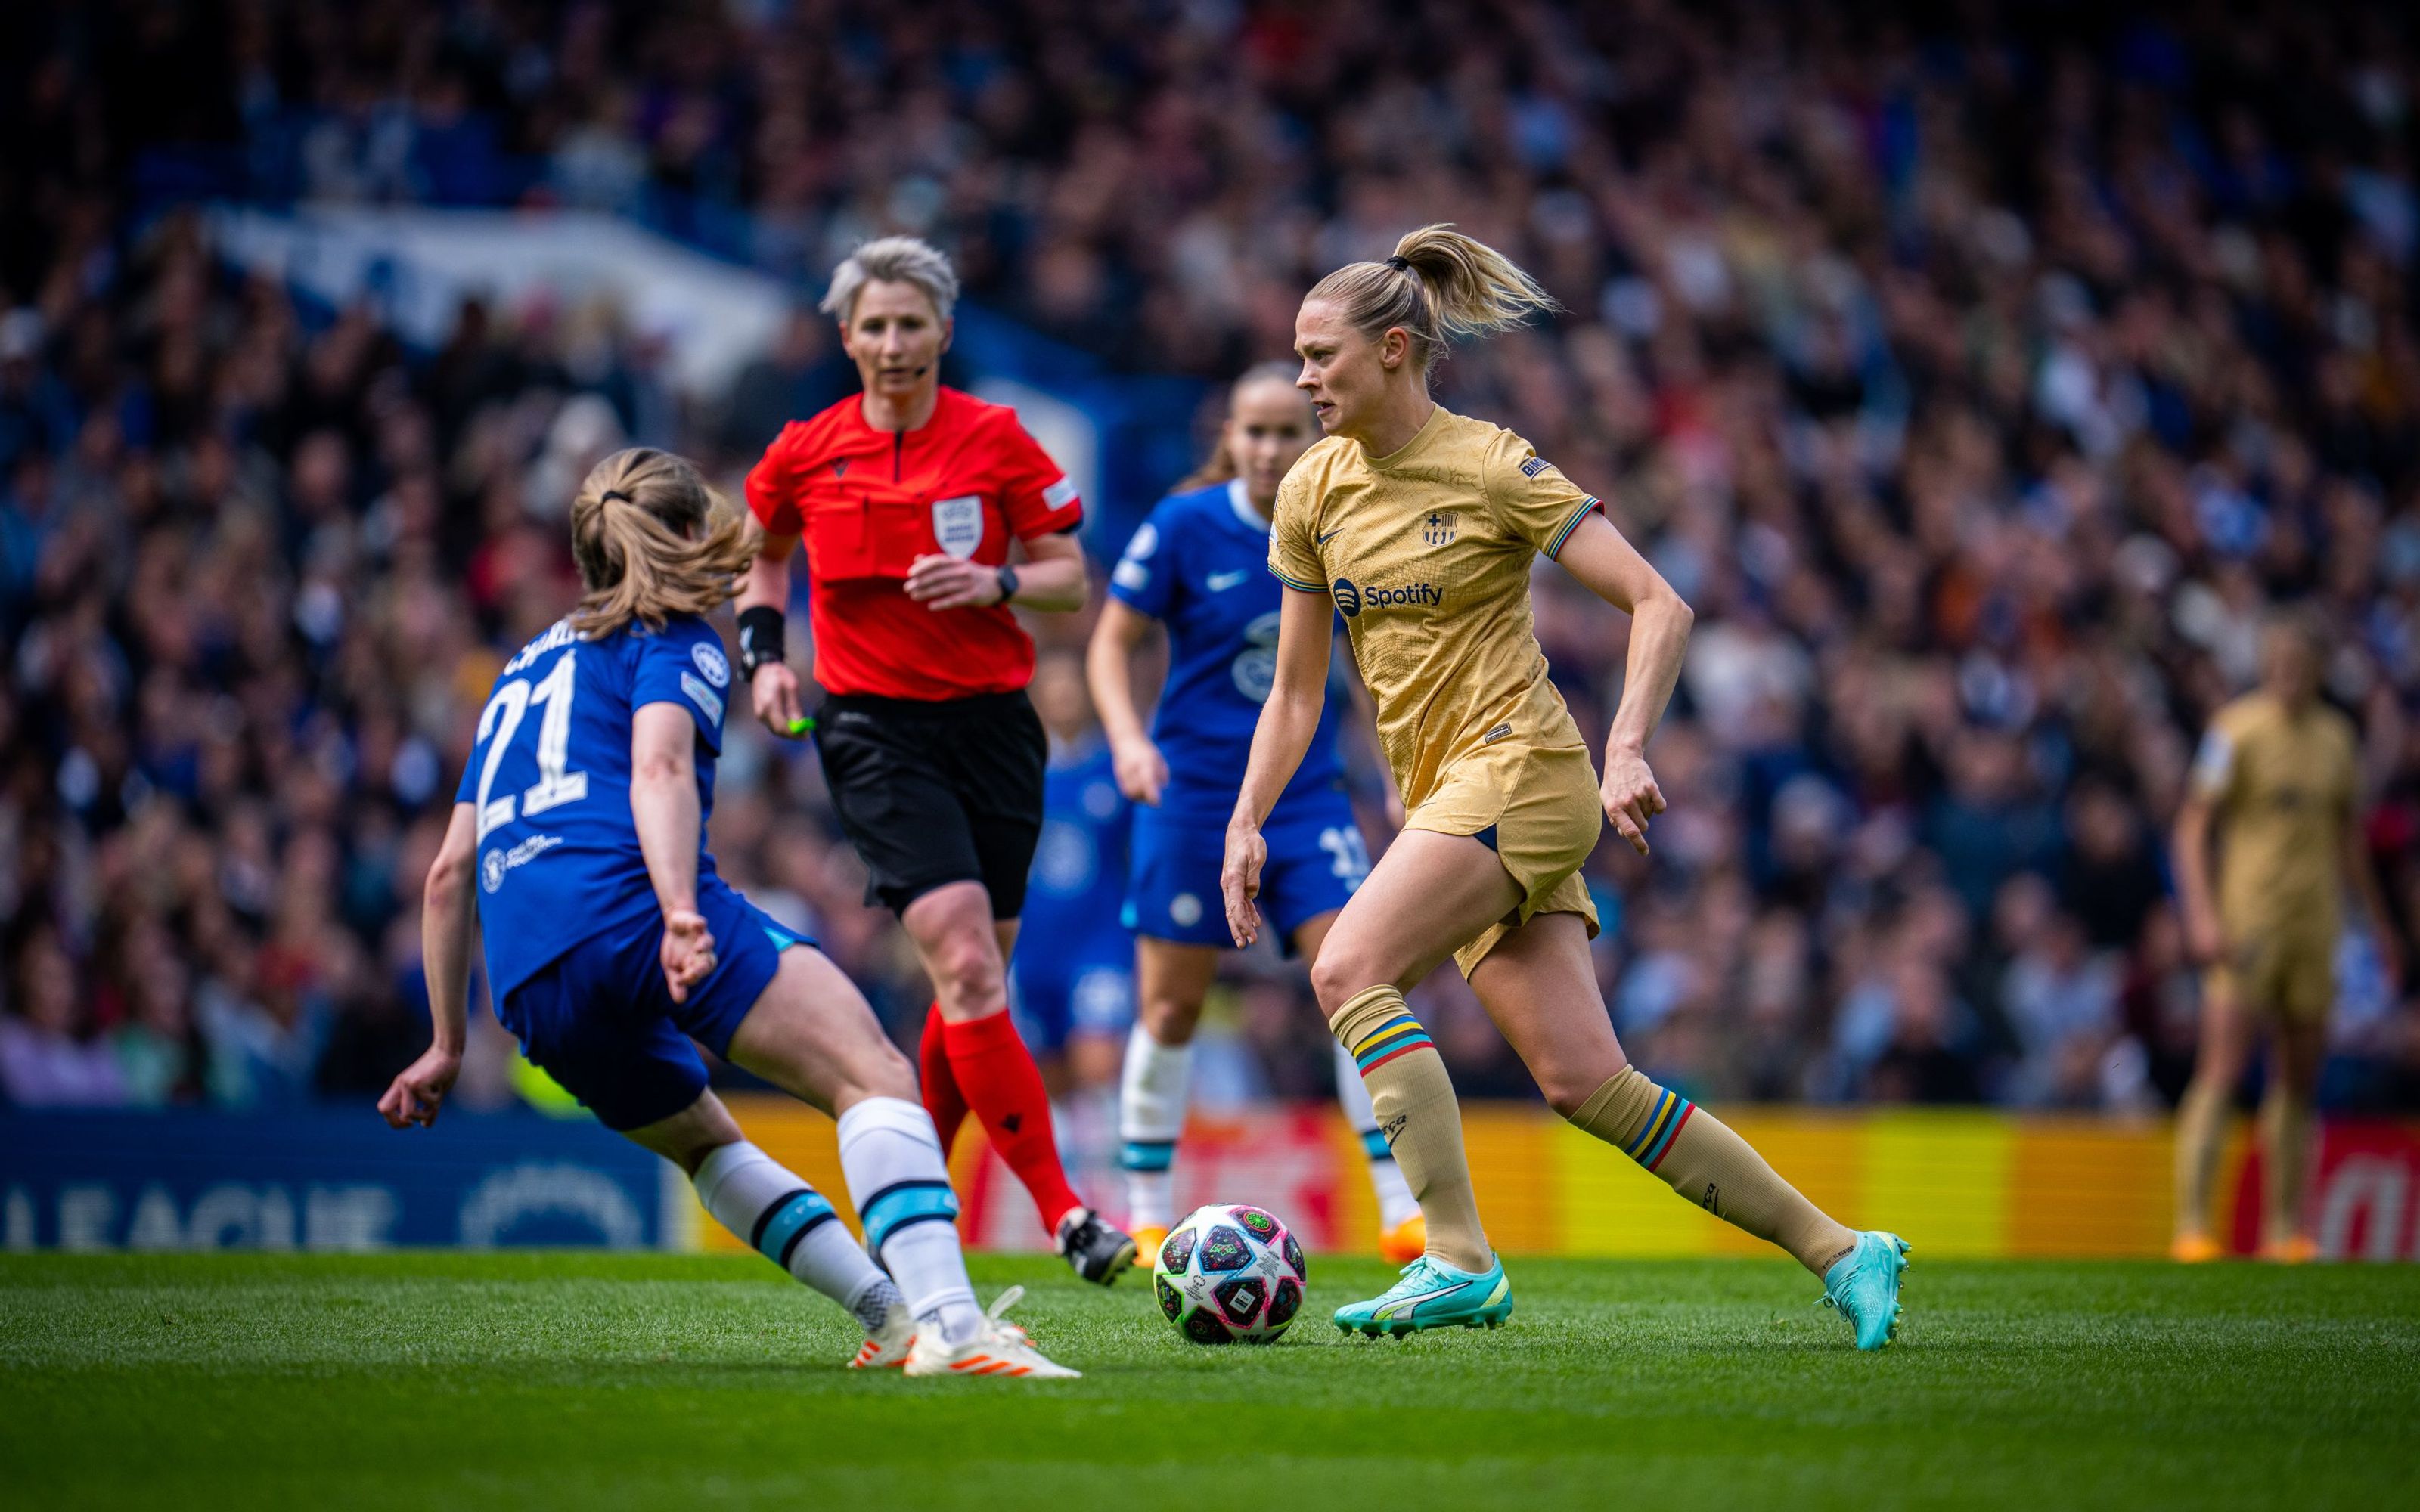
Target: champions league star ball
<point>1228,1272</point>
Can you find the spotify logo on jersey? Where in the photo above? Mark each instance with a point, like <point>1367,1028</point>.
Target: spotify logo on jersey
<point>1352,599</point>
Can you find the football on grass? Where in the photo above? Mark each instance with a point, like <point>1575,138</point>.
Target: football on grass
<point>1230,1273</point>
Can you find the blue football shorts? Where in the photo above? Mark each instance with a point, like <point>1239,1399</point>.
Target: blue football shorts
<point>1317,859</point>
<point>599,1020</point>
<point>1091,995</point>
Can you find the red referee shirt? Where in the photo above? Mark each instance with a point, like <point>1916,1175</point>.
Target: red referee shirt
<point>870,502</point>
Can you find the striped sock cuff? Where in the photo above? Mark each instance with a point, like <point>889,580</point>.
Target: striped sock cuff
<point>1665,1118</point>
<point>902,1205</point>
<point>1147,1154</point>
<point>788,1220</point>
<point>1398,1036</point>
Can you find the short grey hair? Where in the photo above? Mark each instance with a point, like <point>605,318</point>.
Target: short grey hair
<point>892,260</point>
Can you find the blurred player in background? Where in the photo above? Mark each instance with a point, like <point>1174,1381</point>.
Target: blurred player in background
<point>1422,526</point>
<point>1199,568</point>
<point>611,942</point>
<point>2278,778</point>
<point>909,498</point>
<point>1072,979</point>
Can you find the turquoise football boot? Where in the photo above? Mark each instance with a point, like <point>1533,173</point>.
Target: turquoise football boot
<point>1863,1285</point>
<point>1431,1295</point>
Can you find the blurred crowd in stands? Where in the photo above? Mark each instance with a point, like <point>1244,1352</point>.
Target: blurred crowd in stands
<point>1979,372</point>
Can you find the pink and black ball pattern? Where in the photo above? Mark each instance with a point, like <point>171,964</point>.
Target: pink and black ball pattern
<point>1230,1273</point>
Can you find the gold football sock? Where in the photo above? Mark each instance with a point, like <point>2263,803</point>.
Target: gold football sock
<point>1413,1098</point>
<point>2201,1124</point>
<point>1712,1166</point>
<point>2284,1157</point>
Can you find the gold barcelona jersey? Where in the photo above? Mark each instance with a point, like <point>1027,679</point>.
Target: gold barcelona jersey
<point>2283,786</point>
<point>1427,554</point>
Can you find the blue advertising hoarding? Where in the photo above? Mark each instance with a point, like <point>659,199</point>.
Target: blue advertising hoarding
<point>332,1181</point>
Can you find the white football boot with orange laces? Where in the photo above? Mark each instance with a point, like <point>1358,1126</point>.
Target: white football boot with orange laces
<point>996,1349</point>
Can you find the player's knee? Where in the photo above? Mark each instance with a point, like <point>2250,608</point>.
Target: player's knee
<point>1167,1018</point>
<point>966,966</point>
<point>884,1072</point>
<point>1566,1091</point>
<point>1339,972</point>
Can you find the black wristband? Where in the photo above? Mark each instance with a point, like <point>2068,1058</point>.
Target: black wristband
<point>760,638</point>
<point>1007,583</point>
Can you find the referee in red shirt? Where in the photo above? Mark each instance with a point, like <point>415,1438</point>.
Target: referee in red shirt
<point>909,498</point>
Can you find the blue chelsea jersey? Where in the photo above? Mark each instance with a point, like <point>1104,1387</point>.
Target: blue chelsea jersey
<point>558,854</point>
<point>1199,565</point>
<point>1079,881</point>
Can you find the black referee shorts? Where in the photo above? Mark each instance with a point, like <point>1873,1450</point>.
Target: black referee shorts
<point>931,792</point>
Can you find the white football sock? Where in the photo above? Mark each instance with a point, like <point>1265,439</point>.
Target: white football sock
<point>788,1222</point>
<point>901,1186</point>
<point>1151,1117</point>
<point>1395,1200</point>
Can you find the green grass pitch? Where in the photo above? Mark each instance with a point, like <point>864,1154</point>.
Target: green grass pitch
<point>555,1381</point>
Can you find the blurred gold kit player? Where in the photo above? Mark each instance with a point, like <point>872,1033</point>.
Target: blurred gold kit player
<point>2278,778</point>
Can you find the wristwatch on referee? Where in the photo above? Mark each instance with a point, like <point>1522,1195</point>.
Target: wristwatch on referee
<point>1007,583</point>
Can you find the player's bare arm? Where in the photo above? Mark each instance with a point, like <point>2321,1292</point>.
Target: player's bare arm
<point>447,920</point>
<point>1610,567</point>
<point>2205,941</point>
<point>1108,672</point>
<point>665,809</point>
<point>1289,718</point>
<point>773,687</point>
<point>1051,579</point>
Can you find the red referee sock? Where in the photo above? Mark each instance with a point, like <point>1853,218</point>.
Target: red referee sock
<point>997,1075</point>
<point>942,1098</point>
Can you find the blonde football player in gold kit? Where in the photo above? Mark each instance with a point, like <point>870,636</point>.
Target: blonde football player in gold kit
<point>2278,781</point>
<point>1421,526</point>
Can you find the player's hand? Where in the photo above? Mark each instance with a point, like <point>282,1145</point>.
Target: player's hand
<point>688,952</point>
<point>2205,942</point>
<point>773,693</point>
<point>419,1090</point>
<point>1631,797</point>
<point>940,582</point>
<point>1142,771</point>
<point>1239,881</point>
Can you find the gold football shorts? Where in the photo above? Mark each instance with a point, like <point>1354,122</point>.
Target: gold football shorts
<point>1539,812</point>
<point>2287,972</point>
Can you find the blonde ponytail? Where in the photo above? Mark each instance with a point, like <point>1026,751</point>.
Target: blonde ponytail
<point>1220,465</point>
<point>652,541</point>
<point>1440,286</point>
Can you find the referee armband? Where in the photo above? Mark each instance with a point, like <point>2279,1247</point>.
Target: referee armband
<point>761,628</point>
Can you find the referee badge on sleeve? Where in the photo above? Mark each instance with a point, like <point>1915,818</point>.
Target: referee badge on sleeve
<point>958,525</point>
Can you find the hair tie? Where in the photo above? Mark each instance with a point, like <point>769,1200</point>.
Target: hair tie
<point>1400,265</point>
<point>612,494</point>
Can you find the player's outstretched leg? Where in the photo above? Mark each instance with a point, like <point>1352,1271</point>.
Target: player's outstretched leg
<point>776,1213</point>
<point>811,1034</point>
<point>1540,987</point>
